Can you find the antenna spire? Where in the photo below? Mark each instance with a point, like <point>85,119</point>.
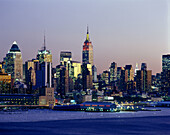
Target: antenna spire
<point>44,42</point>
<point>87,36</point>
<point>87,29</point>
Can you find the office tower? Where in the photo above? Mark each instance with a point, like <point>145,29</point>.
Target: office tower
<point>86,76</point>
<point>66,61</point>
<point>119,71</point>
<point>94,73</point>
<point>105,76</point>
<point>44,55</point>
<point>122,80</point>
<point>77,68</point>
<point>113,72</point>
<point>44,75</point>
<point>165,72</point>
<point>136,69</point>
<point>5,83</point>
<point>65,56</point>
<point>143,66</point>
<point>144,79</point>
<point>13,63</point>
<point>87,56</point>
<point>30,73</point>
<point>61,78</point>
<point>2,68</point>
<point>129,74</point>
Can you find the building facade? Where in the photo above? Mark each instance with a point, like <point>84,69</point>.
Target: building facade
<point>87,54</point>
<point>14,63</point>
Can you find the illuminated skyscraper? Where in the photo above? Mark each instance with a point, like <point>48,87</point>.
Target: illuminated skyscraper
<point>144,78</point>
<point>87,56</point>
<point>44,55</point>
<point>113,72</point>
<point>136,69</point>
<point>165,72</point>
<point>13,62</point>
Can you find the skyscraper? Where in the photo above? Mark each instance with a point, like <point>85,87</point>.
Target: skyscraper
<point>87,56</point>
<point>44,55</point>
<point>113,72</point>
<point>14,63</point>
<point>86,76</point>
<point>136,69</point>
<point>65,56</point>
<point>129,74</point>
<point>165,72</point>
<point>144,78</point>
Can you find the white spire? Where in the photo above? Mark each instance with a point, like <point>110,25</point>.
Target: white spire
<point>15,43</point>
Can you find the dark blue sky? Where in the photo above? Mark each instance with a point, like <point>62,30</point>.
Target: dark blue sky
<point>124,31</point>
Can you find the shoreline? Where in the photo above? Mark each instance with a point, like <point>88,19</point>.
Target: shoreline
<point>50,115</point>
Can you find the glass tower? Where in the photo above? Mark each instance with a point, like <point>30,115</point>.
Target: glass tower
<point>14,63</point>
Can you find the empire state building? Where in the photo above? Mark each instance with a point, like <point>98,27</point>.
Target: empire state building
<point>87,56</point>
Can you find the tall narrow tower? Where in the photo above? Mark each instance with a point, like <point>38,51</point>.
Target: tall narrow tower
<point>87,56</point>
<point>44,55</point>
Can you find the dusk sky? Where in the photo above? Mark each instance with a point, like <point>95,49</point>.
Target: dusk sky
<point>121,31</point>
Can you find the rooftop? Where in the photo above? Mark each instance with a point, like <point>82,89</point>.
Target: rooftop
<point>15,47</point>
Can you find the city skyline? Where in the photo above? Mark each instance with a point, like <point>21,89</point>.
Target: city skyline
<point>129,32</point>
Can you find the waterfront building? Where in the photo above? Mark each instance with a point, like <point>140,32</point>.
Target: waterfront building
<point>46,96</point>
<point>14,63</point>
<point>19,99</point>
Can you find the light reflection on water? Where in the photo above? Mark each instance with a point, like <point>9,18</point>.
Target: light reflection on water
<point>47,115</point>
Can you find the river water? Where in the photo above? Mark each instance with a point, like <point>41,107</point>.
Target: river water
<point>77,123</point>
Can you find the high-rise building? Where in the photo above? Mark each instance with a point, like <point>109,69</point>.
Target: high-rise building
<point>119,80</point>
<point>87,55</point>
<point>14,63</point>
<point>77,68</point>
<point>65,56</point>
<point>143,66</point>
<point>94,73</point>
<point>144,79</point>
<point>30,73</point>
<point>113,72</point>
<point>136,69</point>
<point>165,72</point>
<point>86,76</point>
<point>44,55</point>
<point>129,74</point>
<point>44,75</point>
<point>105,78</point>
